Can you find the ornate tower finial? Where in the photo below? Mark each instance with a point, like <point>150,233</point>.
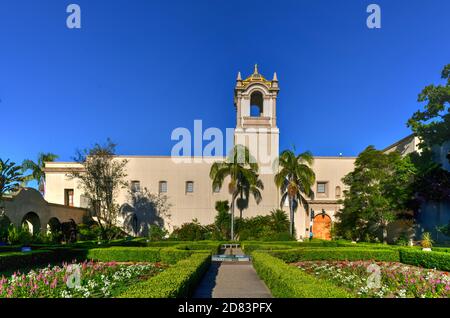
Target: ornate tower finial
<point>275,78</point>
<point>256,69</point>
<point>239,78</point>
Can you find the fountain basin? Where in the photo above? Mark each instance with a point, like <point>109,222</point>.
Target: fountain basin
<point>230,258</point>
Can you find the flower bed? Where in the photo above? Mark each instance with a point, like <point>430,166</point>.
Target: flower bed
<point>381,279</point>
<point>76,280</point>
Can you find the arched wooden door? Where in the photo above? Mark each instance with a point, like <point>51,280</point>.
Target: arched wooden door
<point>322,227</point>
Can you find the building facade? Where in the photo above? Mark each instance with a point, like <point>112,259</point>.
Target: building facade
<point>187,183</point>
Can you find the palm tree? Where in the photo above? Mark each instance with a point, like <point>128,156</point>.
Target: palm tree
<point>280,221</point>
<point>10,177</point>
<point>37,169</point>
<point>295,180</point>
<point>248,185</point>
<point>242,169</point>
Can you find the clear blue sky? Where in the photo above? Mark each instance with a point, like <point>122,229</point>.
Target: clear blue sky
<point>138,69</point>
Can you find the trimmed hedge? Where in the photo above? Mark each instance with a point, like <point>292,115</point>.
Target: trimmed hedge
<point>253,245</point>
<point>125,254</point>
<point>286,281</point>
<point>17,260</point>
<point>441,249</point>
<point>437,260</point>
<point>338,254</point>
<point>249,248</point>
<point>213,247</point>
<point>138,254</point>
<point>177,281</point>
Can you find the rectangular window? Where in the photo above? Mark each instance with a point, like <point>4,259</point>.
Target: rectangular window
<point>68,197</point>
<point>189,186</point>
<point>162,186</point>
<point>321,187</point>
<point>135,186</point>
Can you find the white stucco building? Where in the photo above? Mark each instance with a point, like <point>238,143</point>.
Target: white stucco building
<point>188,185</point>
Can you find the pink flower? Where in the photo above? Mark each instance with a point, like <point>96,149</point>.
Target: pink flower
<point>54,283</point>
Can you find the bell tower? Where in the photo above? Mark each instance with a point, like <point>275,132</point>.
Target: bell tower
<point>255,99</point>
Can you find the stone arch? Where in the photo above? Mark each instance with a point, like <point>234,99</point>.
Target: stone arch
<point>256,103</point>
<point>53,225</point>
<point>322,226</point>
<point>32,222</point>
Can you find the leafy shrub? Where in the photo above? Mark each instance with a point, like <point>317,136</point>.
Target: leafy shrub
<point>403,239</point>
<point>175,282</point>
<point>19,235</point>
<point>157,233</point>
<point>438,260</point>
<point>444,229</point>
<point>272,227</point>
<point>193,231</point>
<point>427,241</point>
<point>87,232</point>
<point>290,282</point>
<point>341,254</point>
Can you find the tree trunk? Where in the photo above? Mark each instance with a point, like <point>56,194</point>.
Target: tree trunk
<point>232,216</point>
<point>291,211</point>
<point>384,228</point>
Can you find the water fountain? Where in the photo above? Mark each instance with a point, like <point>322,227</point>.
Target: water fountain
<point>230,253</point>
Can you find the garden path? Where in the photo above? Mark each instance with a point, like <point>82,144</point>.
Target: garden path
<point>232,280</point>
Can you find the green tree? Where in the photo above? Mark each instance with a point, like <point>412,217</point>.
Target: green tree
<point>432,124</point>
<point>223,218</point>
<point>192,231</point>
<point>249,185</point>
<point>10,177</point>
<point>295,180</point>
<point>37,169</point>
<point>379,189</point>
<point>241,167</point>
<point>279,221</point>
<point>101,178</point>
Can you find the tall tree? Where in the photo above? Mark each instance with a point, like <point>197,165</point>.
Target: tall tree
<point>380,187</point>
<point>37,169</point>
<point>295,180</point>
<point>249,185</point>
<point>223,219</point>
<point>432,125</point>
<point>10,179</point>
<point>241,167</point>
<point>102,177</point>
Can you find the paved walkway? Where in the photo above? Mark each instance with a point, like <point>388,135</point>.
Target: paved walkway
<point>232,280</point>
